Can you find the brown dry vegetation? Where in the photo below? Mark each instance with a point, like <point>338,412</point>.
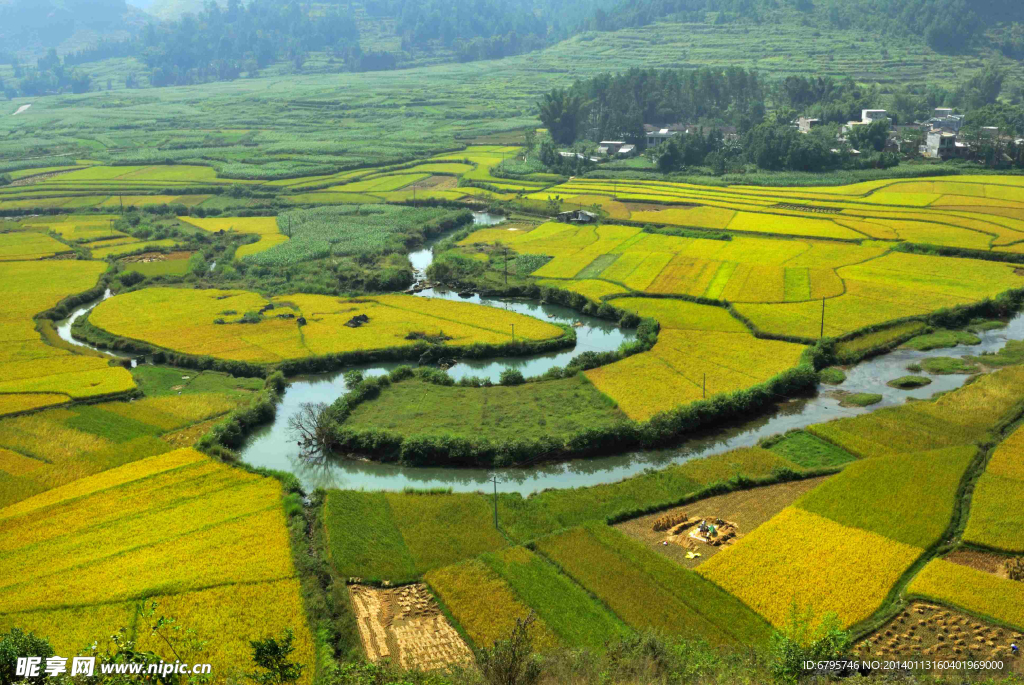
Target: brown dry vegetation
<point>406,626</point>
<point>932,632</point>
<point>746,508</point>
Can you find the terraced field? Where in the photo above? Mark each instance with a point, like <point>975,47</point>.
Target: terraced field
<point>78,561</point>
<point>27,363</point>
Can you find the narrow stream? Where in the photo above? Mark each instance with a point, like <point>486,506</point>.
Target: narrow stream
<point>271,446</point>
<point>64,327</point>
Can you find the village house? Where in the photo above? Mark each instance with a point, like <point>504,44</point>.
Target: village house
<point>577,216</point>
<point>868,117</point>
<point>656,138</point>
<point>944,145</point>
<point>805,125</point>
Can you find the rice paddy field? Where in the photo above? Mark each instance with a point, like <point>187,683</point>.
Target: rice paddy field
<point>208,323</point>
<point>741,279</point>
<point>54,447</point>
<point>28,364</point>
<point>996,519</point>
<point>80,560</point>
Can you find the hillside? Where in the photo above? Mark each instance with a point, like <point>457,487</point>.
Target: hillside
<point>28,28</point>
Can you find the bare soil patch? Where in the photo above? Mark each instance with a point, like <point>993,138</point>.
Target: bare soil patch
<point>743,510</point>
<point>932,632</point>
<point>982,561</point>
<point>435,183</point>
<point>405,625</point>
<point>156,257</point>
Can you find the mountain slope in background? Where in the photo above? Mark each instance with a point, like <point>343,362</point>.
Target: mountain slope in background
<point>169,9</point>
<point>28,28</point>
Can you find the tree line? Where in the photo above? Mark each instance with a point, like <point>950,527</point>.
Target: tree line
<point>947,26</point>
<point>730,110</point>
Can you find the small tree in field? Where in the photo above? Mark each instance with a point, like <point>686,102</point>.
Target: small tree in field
<point>273,655</point>
<point>510,661</point>
<point>799,642</point>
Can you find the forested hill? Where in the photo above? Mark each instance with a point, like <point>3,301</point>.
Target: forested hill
<point>947,25</point>
<point>33,26</point>
<point>235,38</point>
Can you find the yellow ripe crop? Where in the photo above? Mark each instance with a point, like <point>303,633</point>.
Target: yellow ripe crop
<point>103,481</point>
<point>977,591</point>
<point>958,418</point>
<point>682,363</point>
<point>228,632</point>
<point>142,526</point>
<point>697,217</point>
<point>789,225</point>
<point>484,604</point>
<point>175,411</point>
<point>263,226</point>
<point>28,245</point>
<point>248,549</point>
<point>680,314</point>
<point>996,516</point>
<point>155,315</point>
<point>685,276</point>
<point>202,480</point>
<point>18,464</point>
<point>970,279</point>
<point>45,439</point>
<point>593,290</point>
<point>873,340</point>
<point>14,403</point>
<point>813,561</point>
<point>138,200</point>
<point>643,385</point>
<point>104,252</point>
<point>997,519</point>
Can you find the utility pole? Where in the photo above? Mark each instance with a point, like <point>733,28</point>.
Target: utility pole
<point>120,198</point>
<point>506,267</point>
<point>822,334</point>
<point>704,387</point>
<point>494,479</point>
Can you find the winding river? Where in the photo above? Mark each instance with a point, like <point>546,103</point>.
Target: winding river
<point>271,446</point>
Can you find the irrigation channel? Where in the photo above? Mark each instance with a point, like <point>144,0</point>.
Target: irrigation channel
<point>273,447</point>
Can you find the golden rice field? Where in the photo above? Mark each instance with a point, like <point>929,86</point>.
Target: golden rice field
<point>101,252</point>
<point>265,227</point>
<point>13,403</point>
<point>997,519</point>
<point>958,418</point>
<point>27,364</point>
<point>51,448</point>
<point>184,320</point>
<point>484,604</point>
<point>76,560</point>
<point>701,352</point>
<point>22,245</point>
<point>813,561</point>
<point>977,591</point>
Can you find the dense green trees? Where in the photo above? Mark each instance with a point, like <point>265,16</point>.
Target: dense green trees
<point>561,111</point>
<point>948,26</point>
